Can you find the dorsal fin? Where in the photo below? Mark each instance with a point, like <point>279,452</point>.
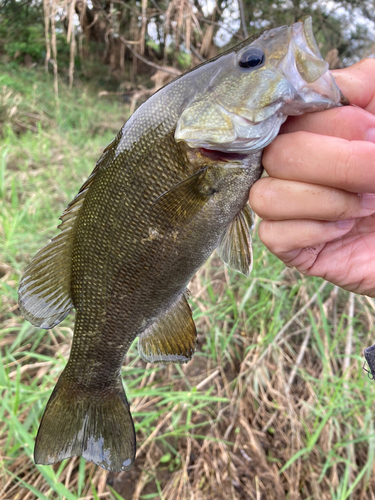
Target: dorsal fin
<point>44,294</point>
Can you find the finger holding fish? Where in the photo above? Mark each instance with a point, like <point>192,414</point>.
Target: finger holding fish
<point>277,199</point>
<point>324,160</point>
<point>356,122</point>
<point>348,122</point>
<point>357,83</point>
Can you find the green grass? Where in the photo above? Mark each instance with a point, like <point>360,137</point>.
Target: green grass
<point>245,417</point>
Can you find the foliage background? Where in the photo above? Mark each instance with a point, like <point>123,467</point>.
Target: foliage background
<point>275,403</point>
<point>116,41</point>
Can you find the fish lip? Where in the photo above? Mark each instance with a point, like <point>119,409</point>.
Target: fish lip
<point>323,90</point>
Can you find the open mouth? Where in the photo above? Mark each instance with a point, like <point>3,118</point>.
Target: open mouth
<point>307,72</point>
<point>223,156</point>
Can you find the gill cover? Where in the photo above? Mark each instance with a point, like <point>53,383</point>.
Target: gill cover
<point>266,78</point>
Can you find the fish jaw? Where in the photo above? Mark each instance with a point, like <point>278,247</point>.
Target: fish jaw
<point>242,111</point>
<point>308,73</point>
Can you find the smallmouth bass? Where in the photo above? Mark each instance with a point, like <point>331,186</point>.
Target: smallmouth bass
<point>167,191</point>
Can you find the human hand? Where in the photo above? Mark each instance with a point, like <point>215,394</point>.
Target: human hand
<point>318,203</point>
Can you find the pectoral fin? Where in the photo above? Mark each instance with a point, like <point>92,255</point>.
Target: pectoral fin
<point>235,244</point>
<point>184,200</point>
<point>171,338</point>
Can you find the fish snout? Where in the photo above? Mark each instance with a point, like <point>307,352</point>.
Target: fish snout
<point>308,73</point>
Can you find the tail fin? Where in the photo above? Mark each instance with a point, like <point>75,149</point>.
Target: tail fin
<point>100,428</point>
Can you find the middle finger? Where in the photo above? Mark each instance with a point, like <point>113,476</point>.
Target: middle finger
<point>323,160</point>
<point>278,199</point>
<point>348,122</point>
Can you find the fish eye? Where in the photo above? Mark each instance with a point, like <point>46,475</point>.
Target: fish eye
<point>252,58</point>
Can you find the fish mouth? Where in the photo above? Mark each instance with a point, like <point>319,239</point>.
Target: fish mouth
<point>311,87</point>
<point>223,156</point>
<point>308,73</point>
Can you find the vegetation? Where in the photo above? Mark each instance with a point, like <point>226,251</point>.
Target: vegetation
<point>275,404</point>
<point>113,40</point>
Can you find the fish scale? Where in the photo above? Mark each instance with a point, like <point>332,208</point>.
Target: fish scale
<point>124,250</point>
<point>167,191</point>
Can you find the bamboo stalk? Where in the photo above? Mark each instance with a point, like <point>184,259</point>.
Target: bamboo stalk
<point>72,39</point>
<point>54,51</point>
<point>46,8</point>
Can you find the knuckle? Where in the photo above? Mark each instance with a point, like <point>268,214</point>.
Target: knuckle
<point>343,166</point>
<point>356,157</point>
<point>267,236</point>
<point>259,199</point>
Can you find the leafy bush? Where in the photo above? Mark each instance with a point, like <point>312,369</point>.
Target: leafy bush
<point>30,43</point>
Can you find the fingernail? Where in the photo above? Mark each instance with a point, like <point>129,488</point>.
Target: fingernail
<point>370,135</point>
<point>344,224</point>
<point>367,200</point>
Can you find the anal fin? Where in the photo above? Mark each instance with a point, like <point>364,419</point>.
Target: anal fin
<point>234,247</point>
<point>171,338</point>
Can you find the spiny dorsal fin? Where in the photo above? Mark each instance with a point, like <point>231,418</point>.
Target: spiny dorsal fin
<point>44,294</point>
<point>235,244</point>
<point>171,338</point>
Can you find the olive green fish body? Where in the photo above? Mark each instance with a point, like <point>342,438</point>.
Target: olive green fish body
<point>141,262</point>
<point>170,189</point>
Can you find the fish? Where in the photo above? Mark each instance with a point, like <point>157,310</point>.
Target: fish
<point>172,187</point>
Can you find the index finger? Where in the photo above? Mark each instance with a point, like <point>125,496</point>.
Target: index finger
<point>357,83</point>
